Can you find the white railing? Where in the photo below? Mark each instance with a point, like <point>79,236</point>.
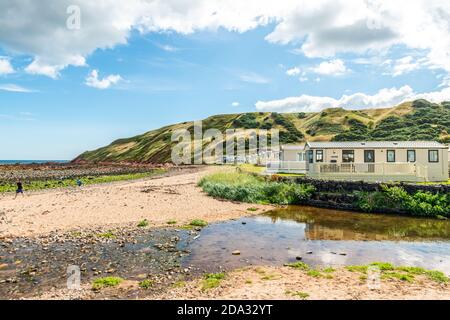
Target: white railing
<point>369,168</point>
<point>286,166</point>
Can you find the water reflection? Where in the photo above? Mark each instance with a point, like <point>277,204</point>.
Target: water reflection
<point>333,237</point>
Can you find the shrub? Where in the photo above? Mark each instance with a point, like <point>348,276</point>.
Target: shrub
<point>246,188</point>
<point>100,283</point>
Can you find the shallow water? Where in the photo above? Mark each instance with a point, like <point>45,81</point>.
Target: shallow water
<point>323,237</point>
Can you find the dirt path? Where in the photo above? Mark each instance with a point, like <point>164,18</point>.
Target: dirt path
<point>158,200</point>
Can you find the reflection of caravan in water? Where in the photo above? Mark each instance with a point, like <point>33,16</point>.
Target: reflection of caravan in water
<point>369,161</point>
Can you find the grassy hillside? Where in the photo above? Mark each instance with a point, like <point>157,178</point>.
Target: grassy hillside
<point>418,120</point>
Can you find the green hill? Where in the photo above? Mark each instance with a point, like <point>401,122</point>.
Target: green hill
<point>417,120</point>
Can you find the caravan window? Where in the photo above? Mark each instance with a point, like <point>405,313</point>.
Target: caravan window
<point>433,156</point>
<point>411,155</point>
<point>301,156</point>
<point>390,156</point>
<point>319,155</point>
<point>348,155</point>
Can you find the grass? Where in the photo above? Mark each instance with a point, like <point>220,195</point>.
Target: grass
<point>171,222</point>
<point>404,273</point>
<point>146,284</point>
<point>107,235</point>
<point>198,223</point>
<point>298,265</point>
<point>101,283</point>
<point>253,189</point>
<point>435,183</point>
<point>314,273</point>
<point>300,294</point>
<point>72,182</point>
<point>251,168</point>
<point>143,223</point>
<point>252,209</point>
<point>212,280</point>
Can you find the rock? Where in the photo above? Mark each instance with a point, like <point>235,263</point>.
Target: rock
<point>236,253</point>
<point>309,252</point>
<point>243,222</point>
<point>342,254</point>
<point>298,258</point>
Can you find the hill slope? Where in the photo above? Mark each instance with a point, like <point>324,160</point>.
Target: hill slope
<point>417,120</point>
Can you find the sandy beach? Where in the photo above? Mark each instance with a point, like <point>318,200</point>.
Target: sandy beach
<point>159,199</point>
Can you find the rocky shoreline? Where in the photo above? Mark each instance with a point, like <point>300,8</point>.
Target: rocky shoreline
<point>32,266</point>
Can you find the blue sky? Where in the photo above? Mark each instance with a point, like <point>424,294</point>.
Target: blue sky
<point>149,78</point>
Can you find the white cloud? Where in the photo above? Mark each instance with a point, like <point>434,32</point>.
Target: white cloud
<point>235,104</point>
<point>293,71</point>
<point>382,99</point>
<point>334,67</point>
<point>14,88</point>
<point>402,66</point>
<point>320,28</point>
<point>93,80</point>
<point>252,77</point>
<point>5,66</point>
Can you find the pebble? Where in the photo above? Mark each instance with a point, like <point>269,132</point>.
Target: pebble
<point>236,253</point>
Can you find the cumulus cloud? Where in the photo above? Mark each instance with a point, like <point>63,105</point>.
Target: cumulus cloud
<point>320,28</point>
<point>293,71</point>
<point>235,104</point>
<point>5,66</point>
<point>403,65</point>
<point>334,67</point>
<point>382,99</point>
<point>93,80</point>
<point>14,88</point>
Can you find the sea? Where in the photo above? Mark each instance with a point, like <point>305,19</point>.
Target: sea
<point>4,162</point>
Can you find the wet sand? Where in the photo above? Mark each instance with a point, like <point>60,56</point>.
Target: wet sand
<point>158,200</point>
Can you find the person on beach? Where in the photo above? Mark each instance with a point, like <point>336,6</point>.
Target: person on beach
<point>19,188</point>
<point>79,182</point>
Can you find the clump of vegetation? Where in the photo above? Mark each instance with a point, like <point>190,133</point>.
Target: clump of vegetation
<point>198,223</point>
<point>212,280</point>
<point>143,223</point>
<point>107,235</point>
<point>248,188</point>
<point>404,273</point>
<point>300,294</point>
<point>419,204</point>
<point>146,284</point>
<point>298,265</point>
<point>101,283</point>
<point>252,209</point>
<point>171,222</point>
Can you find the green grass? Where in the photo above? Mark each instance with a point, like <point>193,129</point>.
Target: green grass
<point>300,294</point>
<point>254,189</point>
<point>146,284</point>
<point>143,223</point>
<point>298,265</point>
<point>198,223</point>
<point>314,273</point>
<point>404,273</point>
<point>212,280</point>
<point>65,183</point>
<point>251,168</point>
<point>101,283</point>
<point>171,222</point>
<point>107,235</point>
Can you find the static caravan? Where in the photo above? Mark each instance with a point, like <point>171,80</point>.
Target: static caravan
<point>378,160</point>
<point>292,159</point>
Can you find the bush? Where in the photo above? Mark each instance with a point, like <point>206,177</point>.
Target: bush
<point>247,188</point>
<point>419,204</point>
